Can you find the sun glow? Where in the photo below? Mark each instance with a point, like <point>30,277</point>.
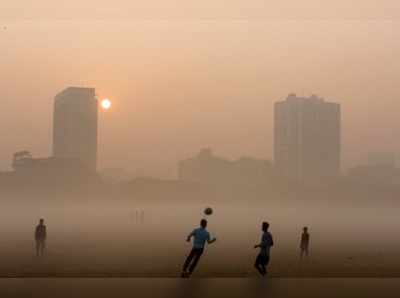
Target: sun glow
<point>106,104</point>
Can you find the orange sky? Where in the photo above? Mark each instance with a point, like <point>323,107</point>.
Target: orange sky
<point>194,9</point>
<point>179,85</point>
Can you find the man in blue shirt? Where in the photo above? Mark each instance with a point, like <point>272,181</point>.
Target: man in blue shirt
<point>265,245</point>
<point>201,236</point>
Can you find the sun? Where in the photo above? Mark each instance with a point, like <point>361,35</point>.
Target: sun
<point>106,104</point>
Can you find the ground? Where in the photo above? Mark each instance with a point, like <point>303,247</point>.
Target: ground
<point>217,287</point>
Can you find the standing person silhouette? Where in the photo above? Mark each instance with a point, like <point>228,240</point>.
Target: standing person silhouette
<point>40,237</point>
<point>304,243</point>
<point>265,245</point>
<point>201,236</point>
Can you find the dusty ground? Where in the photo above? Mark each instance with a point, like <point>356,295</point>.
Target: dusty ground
<point>97,240</point>
<point>237,287</point>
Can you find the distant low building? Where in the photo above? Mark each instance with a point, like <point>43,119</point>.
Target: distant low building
<point>382,159</point>
<point>209,168</point>
<point>51,165</point>
<point>47,173</point>
<point>115,175</point>
<point>380,174</point>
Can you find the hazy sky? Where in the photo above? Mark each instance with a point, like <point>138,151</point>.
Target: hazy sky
<point>184,75</point>
<point>189,9</point>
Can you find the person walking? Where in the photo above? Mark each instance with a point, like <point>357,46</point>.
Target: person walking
<point>304,243</point>
<point>265,245</point>
<point>40,237</point>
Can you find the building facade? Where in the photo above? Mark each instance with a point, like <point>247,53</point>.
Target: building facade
<point>75,126</point>
<point>206,167</point>
<point>307,138</point>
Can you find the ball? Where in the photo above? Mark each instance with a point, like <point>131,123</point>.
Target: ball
<point>208,211</point>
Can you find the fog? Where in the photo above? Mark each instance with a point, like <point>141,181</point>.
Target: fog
<point>105,239</point>
<point>187,75</point>
<point>178,86</point>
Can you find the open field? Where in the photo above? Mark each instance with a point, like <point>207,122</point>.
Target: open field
<point>176,288</point>
<point>106,240</point>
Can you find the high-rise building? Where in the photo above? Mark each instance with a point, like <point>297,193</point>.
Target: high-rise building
<point>75,126</point>
<point>307,138</point>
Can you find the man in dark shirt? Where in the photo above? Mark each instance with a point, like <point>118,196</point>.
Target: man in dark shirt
<point>304,243</point>
<point>40,237</point>
<point>265,246</point>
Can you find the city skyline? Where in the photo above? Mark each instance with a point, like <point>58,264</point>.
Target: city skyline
<point>73,93</point>
<point>262,135</point>
<point>177,87</point>
<point>297,121</point>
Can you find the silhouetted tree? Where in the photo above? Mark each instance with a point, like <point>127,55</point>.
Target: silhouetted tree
<point>20,157</point>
